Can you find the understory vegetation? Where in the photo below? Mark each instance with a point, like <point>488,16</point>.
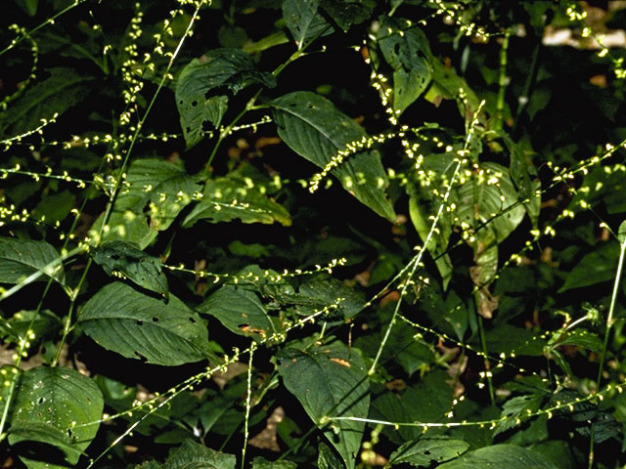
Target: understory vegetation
<point>312,233</point>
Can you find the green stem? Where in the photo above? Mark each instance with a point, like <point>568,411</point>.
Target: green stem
<point>609,318</point>
<point>502,82</point>
<point>246,428</point>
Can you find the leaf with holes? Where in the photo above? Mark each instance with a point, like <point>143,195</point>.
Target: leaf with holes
<point>497,456</point>
<point>406,49</point>
<point>315,129</point>
<point>228,198</point>
<point>58,407</point>
<point>346,13</point>
<point>427,451</point>
<point>127,259</point>
<point>303,20</point>
<point>138,326</point>
<point>204,84</point>
<point>240,310</point>
<point>20,258</point>
<point>330,381</point>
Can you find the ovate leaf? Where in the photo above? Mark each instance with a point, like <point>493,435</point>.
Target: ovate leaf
<point>330,381</point>
<point>138,326</point>
<point>20,258</point>
<point>499,456</point>
<point>58,407</point>
<point>303,20</point>
<point>192,455</point>
<point>60,91</point>
<point>426,451</point>
<point>315,129</point>
<point>229,198</point>
<point>596,267</point>
<point>240,310</point>
<point>119,257</point>
<point>347,12</point>
<point>204,84</point>
<point>262,463</point>
<point>406,49</point>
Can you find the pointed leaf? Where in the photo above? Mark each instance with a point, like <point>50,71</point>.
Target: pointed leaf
<point>330,381</point>
<point>119,257</point>
<point>141,327</point>
<point>228,198</point>
<point>21,258</point>
<point>316,130</point>
<point>427,451</point>
<point>303,20</point>
<point>201,85</point>
<point>498,456</point>
<point>262,463</point>
<point>240,310</point>
<point>192,455</point>
<point>346,12</point>
<point>595,267</point>
<point>56,406</point>
<point>406,49</point>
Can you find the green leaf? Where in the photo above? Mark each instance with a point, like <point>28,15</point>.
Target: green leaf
<point>581,338</point>
<point>56,406</point>
<point>303,20</point>
<point>347,12</point>
<point>598,266</point>
<point>406,49</point>
<point>330,381</point>
<point>20,258</point>
<point>201,86</point>
<point>62,90</point>
<point>29,6</point>
<point>55,207</point>
<point>510,339</point>
<point>43,323</point>
<point>155,193</point>
<point>621,233</point>
<point>446,84</point>
<point>426,451</point>
<point>499,456</point>
<point>262,463</point>
<point>138,326</point>
<point>120,257</point>
<point>491,198</point>
<point>230,198</point>
<point>316,130</point>
<point>191,455</point>
<point>240,310</point>
<point>516,410</point>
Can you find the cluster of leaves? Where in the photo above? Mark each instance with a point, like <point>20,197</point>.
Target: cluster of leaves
<point>293,233</point>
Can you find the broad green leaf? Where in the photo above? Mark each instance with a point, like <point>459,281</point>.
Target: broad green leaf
<point>138,326</point>
<point>484,271</point>
<point>327,458</point>
<point>438,242</point>
<point>621,233</point>
<point>446,84</point>
<point>516,410</point>
<point>524,176</point>
<point>56,406</point>
<point>347,12</point>
<point>120,257</point>
<point>427,451</point>
<point>490,198</point>
<point>330,381</point>
<point>230,198</point>
<point>201,86</point>
<point>510,339</point>
<point>598,266</point>
<point>43,323</point>
<point>262,463</point>
<point>406,49</point>
<point>20,258</point>
<point>315,129</point>
<point>191,455</point>
<point>500,456</point>
<point>62,90</point>
<point>154,194</point>
<point>240,310</point>
<point>303,20</point>
<point>55,207</point>
<point>580,338</point>
<point>29,6</point>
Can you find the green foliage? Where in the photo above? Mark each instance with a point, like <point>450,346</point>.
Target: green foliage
<point>330,233</point>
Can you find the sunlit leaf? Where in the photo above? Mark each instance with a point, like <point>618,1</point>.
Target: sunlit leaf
<point>138,326</point>
<point>498,456</point>
<point>426,451</point>
<point>303,20</point>
<point>192,455</point>
<point>20,258</point>
<point>315,129</point>
<point>58,407</point>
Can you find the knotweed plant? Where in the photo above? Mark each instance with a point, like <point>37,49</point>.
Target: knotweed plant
<point>306,233</point>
